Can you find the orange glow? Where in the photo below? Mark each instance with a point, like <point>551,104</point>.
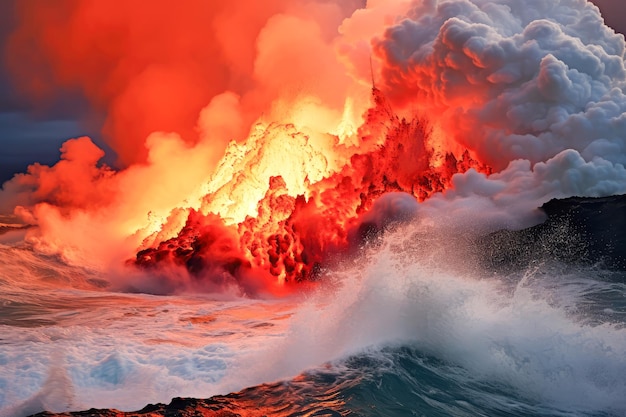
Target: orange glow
<point>149,67</point>
<point>275,204</point>
<point>252,138</point>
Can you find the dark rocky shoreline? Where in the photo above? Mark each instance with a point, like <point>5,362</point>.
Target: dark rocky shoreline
<point>578,231</point>
<point>221,406</point>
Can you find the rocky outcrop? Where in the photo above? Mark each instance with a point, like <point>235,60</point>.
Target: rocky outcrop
<point>586,231</point>
<point>179,407</point>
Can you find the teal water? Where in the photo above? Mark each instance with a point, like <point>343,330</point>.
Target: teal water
<point>577,372</point>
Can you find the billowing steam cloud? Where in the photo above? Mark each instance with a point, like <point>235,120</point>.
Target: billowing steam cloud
<point>533,89</point>
<point>482,108</point>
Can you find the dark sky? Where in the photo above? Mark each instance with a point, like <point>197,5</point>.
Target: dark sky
<point>27,134</point>
<point>30,135</point>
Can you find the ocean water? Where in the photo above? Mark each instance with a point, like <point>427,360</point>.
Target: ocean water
<point>413,326</point>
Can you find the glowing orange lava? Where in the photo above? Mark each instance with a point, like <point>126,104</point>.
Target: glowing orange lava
<point>251,151</point>
<point>301,225</point>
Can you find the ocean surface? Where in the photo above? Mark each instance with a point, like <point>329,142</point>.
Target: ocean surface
<point>413,326</point>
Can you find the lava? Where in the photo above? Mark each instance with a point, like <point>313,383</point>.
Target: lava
<point>292,236</point>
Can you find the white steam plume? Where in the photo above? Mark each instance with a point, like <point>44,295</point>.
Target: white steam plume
<point>535,89</point>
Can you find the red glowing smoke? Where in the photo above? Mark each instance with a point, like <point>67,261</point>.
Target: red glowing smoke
<point>154,67</point>
<point>255,152</point>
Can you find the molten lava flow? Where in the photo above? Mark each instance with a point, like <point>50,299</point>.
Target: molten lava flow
<point>309,217</point>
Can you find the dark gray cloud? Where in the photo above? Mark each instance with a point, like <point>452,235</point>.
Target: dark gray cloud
<point>24,141</point>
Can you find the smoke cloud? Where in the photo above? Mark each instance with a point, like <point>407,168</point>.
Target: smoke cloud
<point>534,90</point>
<point>291,127</point>
<point>205,70</point>
<point>155,68</point>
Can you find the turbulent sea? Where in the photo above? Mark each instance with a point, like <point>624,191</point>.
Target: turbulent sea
<point>411,328</point>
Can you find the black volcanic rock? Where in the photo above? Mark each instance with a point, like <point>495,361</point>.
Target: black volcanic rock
<point>179,407</point>
<point>579,230</point>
